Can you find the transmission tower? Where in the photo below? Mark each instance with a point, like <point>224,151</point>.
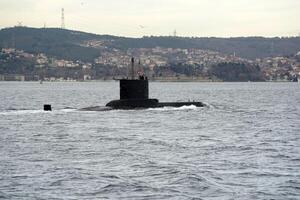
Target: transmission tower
<point>175,33</point>
<point>63,18</point>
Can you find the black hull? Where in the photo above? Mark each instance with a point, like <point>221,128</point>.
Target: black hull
<point>148,103</point>
<point>133,103</point>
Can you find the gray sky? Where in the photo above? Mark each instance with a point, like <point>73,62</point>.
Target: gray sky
<point>135,18</point>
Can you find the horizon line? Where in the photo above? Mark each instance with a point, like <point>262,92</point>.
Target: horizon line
<point>140,37</point>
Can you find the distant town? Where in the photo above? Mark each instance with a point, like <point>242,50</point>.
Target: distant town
<point>158,63</point>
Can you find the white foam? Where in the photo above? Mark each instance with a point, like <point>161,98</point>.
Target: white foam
<point>191,107</point>
<point>68,110</point>
<point>20,112</point>
<point>28,112</point>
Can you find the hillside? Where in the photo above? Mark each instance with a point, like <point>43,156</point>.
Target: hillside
<point>72,45</point>
<point>246,47</point>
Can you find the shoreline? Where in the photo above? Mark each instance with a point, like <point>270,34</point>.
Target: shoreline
<point>166,80</point>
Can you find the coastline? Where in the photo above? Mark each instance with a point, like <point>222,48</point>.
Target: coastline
<point>153,80</point>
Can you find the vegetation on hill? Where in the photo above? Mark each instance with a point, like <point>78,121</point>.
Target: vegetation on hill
<point>20,66</point>
<point>68,44</point>
<point>246,47</point>
<point>60,43</point>
<point>72,54</point>
<point>236,72</point>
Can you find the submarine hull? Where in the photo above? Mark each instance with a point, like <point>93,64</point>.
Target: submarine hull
<point>133,103</point>
<point>147,103</point>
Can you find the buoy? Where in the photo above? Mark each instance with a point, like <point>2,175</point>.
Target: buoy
<point>47,107</point>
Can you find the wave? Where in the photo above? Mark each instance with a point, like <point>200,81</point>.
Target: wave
<point>22,111</point>
<point>28,111</point>
<point>191,107</point>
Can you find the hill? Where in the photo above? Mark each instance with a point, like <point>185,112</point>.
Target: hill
<point>74,45</point>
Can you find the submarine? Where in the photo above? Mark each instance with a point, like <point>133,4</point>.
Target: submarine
<point>134,94</point>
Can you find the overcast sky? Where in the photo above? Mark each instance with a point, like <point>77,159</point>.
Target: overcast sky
<point>135,18</point>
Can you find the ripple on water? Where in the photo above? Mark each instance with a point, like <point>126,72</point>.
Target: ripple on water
<point>242,145</point>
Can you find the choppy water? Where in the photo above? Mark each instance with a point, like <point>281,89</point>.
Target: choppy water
<point>244,145</point>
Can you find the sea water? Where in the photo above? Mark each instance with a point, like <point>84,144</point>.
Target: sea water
<point>244,144</point>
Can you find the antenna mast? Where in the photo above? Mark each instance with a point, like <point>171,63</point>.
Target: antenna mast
<point>62,18</point>
<point>175,33</point>
<point>132,68</point>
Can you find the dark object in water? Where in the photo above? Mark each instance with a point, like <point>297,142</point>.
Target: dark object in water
<point>295,79</point>
<point>47,107</point>
<point>134,93</point>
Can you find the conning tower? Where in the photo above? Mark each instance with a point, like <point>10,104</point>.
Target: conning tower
<point>134,88</point>
<point>134,92</point>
